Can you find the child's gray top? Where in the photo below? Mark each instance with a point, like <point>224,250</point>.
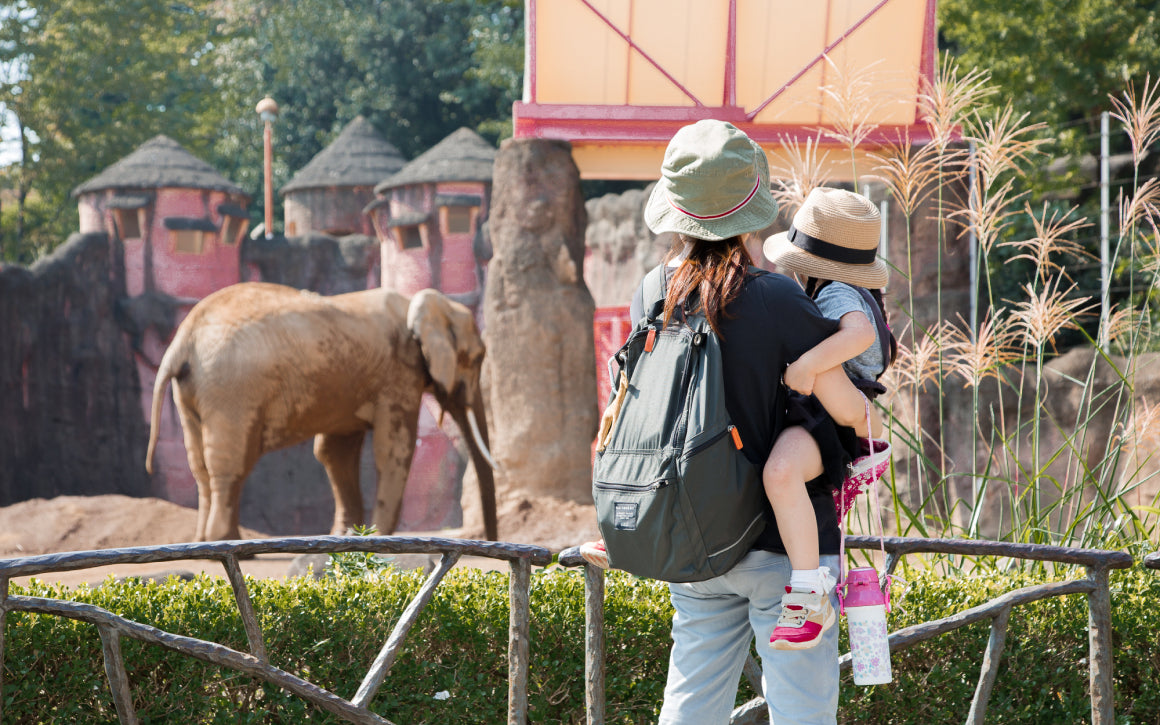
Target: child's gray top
<point>835,300</point>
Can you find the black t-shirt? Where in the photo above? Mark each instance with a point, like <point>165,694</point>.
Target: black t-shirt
<point>770,324</point>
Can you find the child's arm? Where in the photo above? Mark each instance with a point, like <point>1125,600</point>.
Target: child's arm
<point>846,404</point>
<point>855,334</point>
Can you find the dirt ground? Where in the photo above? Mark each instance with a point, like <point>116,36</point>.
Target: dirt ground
<point>81,523</point>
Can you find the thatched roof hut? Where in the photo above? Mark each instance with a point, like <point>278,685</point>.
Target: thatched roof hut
<point>429,216</point>
<point>462,156</point>
<point>359,156</point>
<point>329,193</point>
<point>159,163</point>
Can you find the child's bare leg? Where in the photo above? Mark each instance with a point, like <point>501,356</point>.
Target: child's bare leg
<point>794,460</point>
<point>845,403</point>
<point>806,612</point>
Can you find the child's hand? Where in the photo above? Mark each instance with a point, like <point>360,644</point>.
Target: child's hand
<point>800,377</point>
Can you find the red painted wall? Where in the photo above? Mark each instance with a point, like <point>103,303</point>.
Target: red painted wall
<point>458,266</point>
<point>152,263</point>
<point>610,329</point>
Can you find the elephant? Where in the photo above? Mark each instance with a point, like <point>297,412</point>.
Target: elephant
<point>257,367</point>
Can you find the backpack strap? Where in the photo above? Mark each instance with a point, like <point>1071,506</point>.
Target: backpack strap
<point>884,334</point>
<point>652,295</point>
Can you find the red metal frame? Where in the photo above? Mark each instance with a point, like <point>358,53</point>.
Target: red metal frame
<point>730,96</point>
<point>647,124</point>
<point>627,124</point>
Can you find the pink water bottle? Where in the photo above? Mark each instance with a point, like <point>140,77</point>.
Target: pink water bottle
<point>865,605</point>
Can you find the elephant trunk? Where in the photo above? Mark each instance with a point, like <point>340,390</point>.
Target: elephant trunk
<point>472,421</point>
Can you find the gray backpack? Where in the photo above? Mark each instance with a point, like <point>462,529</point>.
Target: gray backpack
<point>676,500</point>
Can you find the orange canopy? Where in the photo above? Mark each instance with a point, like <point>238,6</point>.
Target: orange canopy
<point>617,78</point>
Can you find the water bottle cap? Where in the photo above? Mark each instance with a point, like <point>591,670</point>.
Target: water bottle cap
<point>863,588</point>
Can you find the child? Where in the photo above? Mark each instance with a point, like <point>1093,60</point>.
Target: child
<point>831,248</point>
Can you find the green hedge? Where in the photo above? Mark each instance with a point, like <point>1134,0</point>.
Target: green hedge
<point>330,630</point>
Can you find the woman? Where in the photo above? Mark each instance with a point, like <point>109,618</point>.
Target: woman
<point>713,193</point>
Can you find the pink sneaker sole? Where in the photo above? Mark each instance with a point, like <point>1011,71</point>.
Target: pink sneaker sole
<point>788,645</point>
<point>595,554</point>
<point>861,473</point>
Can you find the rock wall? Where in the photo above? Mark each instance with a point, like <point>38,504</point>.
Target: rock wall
<point>70,412</point>
<point>1078,386</point>
<point>540,367</point>
<point>930,282</point>
<point>619,247</point>
<point>318,262</point>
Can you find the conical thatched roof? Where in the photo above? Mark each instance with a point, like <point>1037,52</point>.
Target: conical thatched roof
<point>462,156</point>
<point>358,157</point>
<point>159,163</point>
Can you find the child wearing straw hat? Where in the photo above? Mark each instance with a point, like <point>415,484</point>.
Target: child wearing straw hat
<point>831,247</point>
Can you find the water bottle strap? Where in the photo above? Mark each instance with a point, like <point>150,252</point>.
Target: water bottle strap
<point>873,496</point>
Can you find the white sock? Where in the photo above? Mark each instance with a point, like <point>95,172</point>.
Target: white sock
<point>815,580</point>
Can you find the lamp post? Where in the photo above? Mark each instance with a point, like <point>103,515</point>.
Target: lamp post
<point>268,111</point>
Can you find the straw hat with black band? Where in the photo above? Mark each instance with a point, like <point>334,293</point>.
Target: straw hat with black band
<point>714,184</point>
<point>834,235</point>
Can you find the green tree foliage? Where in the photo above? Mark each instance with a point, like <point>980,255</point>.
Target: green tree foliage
<point>1058,61</point>
<point>416,69</point>
<point>85,82</point>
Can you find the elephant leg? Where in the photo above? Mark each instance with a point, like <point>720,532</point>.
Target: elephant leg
<point>220,521</point>
<point>339,455</point>
<point>394,445</point>
<point>230,455</point>
<point>194,451</point>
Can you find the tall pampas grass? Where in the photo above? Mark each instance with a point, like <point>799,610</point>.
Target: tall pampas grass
<point>1053,239</point>
<point>1140,116</point>
<point>1034,476</point>
<point>803,169</point>
<point>855,97</point>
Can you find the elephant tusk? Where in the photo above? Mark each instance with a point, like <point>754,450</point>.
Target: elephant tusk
<point>479,439</point>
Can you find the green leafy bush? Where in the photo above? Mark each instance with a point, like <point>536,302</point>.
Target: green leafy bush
<point>329,631</point>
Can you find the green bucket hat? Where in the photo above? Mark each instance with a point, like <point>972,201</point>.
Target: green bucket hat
<point>714,184</point>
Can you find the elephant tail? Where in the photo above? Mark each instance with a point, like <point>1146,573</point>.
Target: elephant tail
<point>172,366</point>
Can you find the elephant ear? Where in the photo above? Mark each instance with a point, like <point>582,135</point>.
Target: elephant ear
<point>429,321</point>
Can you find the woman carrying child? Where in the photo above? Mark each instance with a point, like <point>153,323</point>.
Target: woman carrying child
<point>712,195</point>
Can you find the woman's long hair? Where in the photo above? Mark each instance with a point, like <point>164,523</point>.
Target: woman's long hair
<point>711,275</point>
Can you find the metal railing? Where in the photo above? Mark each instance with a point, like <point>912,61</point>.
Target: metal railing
<point>1097,563</point>
<point>256,662</point>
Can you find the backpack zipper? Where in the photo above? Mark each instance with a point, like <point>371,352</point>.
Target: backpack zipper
<point>654,486</point>
<point>701,446</point>
<point>682,422</point>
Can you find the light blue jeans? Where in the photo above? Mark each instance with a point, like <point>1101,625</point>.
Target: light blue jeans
<point>713,625</point>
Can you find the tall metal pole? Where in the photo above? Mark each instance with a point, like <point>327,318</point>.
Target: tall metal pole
<point>268,110</point>
<point>973,241</point>
<point>1105,263</point>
